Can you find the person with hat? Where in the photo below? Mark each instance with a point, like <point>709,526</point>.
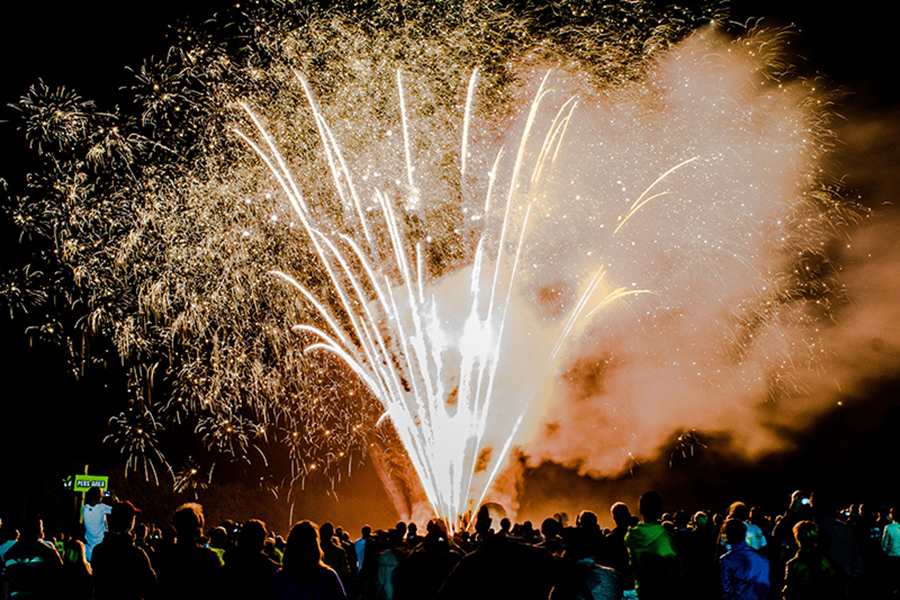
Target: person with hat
<point>122,570</point>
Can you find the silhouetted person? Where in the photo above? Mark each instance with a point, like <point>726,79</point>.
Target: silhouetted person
<point>218,538</point>
<point>699,559</point>
<point>799,509</point>
<point>77,576</point>
<point>389,553</point>
<point>597,546</point>
<point>483,522</point>
<point>303,575</point>
<point>122,571</point>
<point>139,533</point>
<point>615,542</point>
<point>413,538</point>
<point>783,545</point>
<point>32,565</point>
<point>890,545</point>
<point>760,520</point>
<point>528,533</point>
<point>9,535</point>
<point>837,542</point>
<point>272,549</point>
<point>501,568</point>
<point>401,528</point>
<point>553,543</point>
<point>334,556</point>
<point>505,527</point>
<point>623,519</point>
<point>425,569</point>
<point>342,539</point>
<point>361,545</point>
<point>247,569</point>
<point>653,561</point>
<point>164,542</point>
<point>577,574</point>
<point>809,575</point>
<point>756,539</point>
<point>744,572</point>
<point>186,570</point>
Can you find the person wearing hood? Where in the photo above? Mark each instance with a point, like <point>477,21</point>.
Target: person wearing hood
<point>654,563</point>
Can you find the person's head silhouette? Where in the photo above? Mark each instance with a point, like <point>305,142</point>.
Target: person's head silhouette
<point>302,552</point>
<point>621,514</point>
<point>806,533</point>
<point>651,506</point>
<point>188,522</point>
<point>734,530</point>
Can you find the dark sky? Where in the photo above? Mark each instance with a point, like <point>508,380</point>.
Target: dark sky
<point>88,45</point>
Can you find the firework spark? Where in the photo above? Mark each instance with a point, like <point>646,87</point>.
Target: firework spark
<point>435,383</point>
<point>689,168</point>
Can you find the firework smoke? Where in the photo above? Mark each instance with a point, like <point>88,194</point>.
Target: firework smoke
<point>700,185</point>
<point>719,241</point>
<point>689,171</point>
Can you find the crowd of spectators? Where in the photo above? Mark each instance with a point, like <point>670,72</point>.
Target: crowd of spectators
<point>814,550</point>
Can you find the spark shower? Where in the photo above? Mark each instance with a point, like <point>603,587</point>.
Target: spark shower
<point>430,351</point>
<point>435,379</point>
<point>562,236</point>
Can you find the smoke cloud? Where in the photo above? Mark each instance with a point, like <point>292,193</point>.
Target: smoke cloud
<point>695,199</point>
<point>701,190</point>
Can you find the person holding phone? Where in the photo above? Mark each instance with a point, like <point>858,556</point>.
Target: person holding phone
<point>93,514</point>
<point>798,510</point>
<point>785,545</point>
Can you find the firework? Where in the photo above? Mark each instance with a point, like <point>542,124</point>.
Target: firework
<point>422,220</point>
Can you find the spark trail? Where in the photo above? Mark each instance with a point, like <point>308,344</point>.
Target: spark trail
<point>692,167</point>
<point>436,384</point>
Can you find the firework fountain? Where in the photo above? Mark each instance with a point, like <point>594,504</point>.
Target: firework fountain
<point>430,349</point>
<point>615,232</point>
<point>435,378</point>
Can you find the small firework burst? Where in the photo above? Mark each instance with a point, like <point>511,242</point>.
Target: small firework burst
<point>134,432</point>
<point>688,444</point>
<point>191,478</point>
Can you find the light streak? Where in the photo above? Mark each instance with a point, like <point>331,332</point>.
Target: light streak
<point>167,233</point>
<point>395,340</point>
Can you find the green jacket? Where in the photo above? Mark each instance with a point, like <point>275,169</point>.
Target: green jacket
<point>654,561</point>
<point>810,576</point>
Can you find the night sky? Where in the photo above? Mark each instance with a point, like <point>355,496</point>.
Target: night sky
<point>49,423</point>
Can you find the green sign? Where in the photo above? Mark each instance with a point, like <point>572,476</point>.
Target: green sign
<point>83,483</point>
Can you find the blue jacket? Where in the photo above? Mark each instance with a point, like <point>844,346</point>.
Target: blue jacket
<point>744,574</point>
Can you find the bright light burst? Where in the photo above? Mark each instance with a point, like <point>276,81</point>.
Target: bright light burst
<point>436,384</point>
<point>430,262</point>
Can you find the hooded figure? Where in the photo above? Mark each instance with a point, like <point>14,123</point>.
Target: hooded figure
<point>653,561</point>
